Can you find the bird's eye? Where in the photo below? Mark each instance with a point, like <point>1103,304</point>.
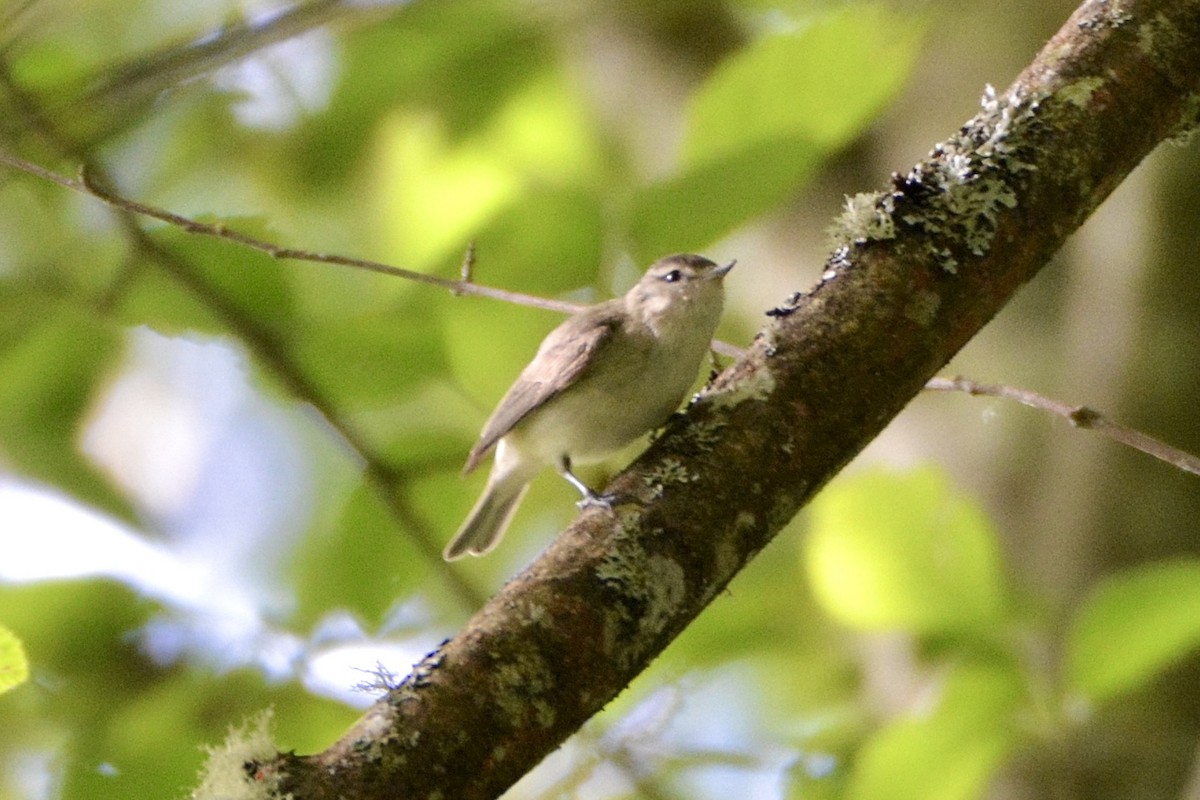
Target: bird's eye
<point>672,276</point>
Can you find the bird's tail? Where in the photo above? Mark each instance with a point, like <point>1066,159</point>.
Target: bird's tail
<point>489,518</point>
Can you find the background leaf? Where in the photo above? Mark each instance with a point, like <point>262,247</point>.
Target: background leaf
<point>903,551</point>
<point>1132,627</point>
<point>768,115</point>
<point>54,356</point>
<point>950,753</point>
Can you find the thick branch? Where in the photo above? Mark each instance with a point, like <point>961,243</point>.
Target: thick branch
<point>926,265</point>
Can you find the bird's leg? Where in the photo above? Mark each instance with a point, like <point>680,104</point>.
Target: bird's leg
<point>590,498</point>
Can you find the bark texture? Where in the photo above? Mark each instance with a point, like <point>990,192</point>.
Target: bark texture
<point>925,264</point>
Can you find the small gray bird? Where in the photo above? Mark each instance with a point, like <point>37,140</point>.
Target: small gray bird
<point>604,377</point>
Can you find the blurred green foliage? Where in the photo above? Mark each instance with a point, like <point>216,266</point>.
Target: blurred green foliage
<point>402,133</point>
<point>904,553</point>
<point>760,125</point>
<point>1133,626</point>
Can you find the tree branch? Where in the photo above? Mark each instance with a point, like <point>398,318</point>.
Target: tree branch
<point>924,266</point>
<point>89,183</point>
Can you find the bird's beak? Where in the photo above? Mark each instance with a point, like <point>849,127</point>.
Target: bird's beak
<point>720,272</point>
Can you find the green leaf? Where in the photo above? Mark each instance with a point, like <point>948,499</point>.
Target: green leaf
<point>903,551</point>
<point>951,753</point>
<point>488,344</point>
<point>464,61</point>
<point>548,242</point>
<point>158,301</point>
<point>760,125</point>
<point>53,356</point>
<point>365,562</point>
<point>213,287</point>
<point>691,210</point>
<point>374,357</point>
<point>821,84</point>
<point>47,65</point>
<point>14,666</point>
<point>1133,626</point>
<point>533,165</point>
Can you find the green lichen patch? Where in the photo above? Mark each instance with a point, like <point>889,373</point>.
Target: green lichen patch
<point>956,195</point>
<point>521,686</point>
<point>667,472</point>
<point>758,385</point>
<point>239,769</point>
<point>866,217</point>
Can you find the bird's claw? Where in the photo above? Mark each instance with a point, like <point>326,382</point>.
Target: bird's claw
<point>593,500</point>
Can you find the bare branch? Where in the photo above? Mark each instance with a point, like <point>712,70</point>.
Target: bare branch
<point>144,77</point>
<point>89,184</point>
<point>1079,416</point>
<point>466,285</point>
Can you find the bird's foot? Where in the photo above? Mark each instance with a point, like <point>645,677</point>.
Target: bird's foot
<point>593,500</point>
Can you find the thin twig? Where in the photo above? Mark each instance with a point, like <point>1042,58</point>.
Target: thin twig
<point>90,185</point>
<point>148,75</point>
<point>1079,416</point>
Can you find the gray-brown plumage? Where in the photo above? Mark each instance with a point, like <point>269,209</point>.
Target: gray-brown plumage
<point>601,379</point>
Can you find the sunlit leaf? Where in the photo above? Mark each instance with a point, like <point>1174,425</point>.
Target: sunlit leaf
<point>1133,626</point>
<point>549,242</point>
<point>437,191</point>
<point>462,61</point>
<point>903,551</point>
<point>434,194</point>
<point>14,666</point>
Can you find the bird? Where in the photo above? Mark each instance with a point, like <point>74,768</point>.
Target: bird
<point>604,377</point>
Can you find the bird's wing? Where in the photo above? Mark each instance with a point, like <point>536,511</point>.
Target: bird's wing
<point>564,355</point>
